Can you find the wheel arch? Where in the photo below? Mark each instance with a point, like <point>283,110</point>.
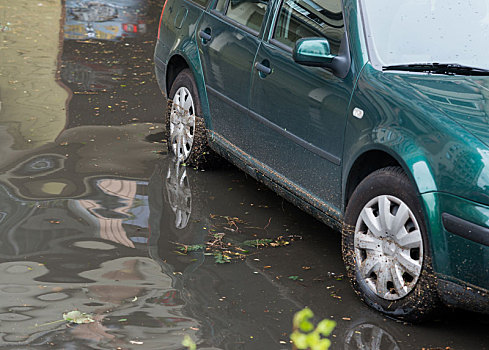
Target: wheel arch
<point>187,59</point>
<point>365,164</point>
<point>414,164</point>
<point>176,64</point>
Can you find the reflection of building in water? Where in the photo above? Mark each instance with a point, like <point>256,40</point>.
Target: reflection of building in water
<point>117,212</point>
<point>58,255</point>
<point>119,288</point>
<point>111,81</point>
<point>104,19</point>
<point>127,207</point>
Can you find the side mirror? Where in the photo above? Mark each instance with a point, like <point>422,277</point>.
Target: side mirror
<point>316,52</point>
<point>313,52</point>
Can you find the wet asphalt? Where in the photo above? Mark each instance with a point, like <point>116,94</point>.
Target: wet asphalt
<point>96,217</point>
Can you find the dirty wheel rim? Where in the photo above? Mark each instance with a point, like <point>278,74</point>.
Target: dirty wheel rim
<point>182,123</point>
<point>388,247</point>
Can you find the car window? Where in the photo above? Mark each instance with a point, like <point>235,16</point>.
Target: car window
<point>310,18</point>
<point>246,12</point>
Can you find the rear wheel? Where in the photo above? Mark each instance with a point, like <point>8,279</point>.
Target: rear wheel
<point>385,246</point>
<point>187,139</point>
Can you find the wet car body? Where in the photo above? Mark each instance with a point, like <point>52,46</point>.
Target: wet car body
<point>312,134</point>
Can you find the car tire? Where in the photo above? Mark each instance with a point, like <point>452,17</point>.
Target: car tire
<point>385,247</point>
<point>186,129</point>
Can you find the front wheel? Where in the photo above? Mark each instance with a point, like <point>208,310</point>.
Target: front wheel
<point>385,247</point>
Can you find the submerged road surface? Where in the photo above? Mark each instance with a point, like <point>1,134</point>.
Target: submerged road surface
<point>96,217</point>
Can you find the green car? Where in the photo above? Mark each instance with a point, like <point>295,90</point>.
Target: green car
<point>371,115</point>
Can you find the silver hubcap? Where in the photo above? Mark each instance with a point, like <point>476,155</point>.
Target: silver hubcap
<point>182,123</point>
<point>388,247</point>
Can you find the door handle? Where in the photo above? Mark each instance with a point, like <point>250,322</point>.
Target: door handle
<point>262,68</point>
<point>204,35</point>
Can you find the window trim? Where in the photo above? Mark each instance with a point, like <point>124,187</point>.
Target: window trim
<point>372,56</point>
<point>281,45</point>
<point>276,11</point>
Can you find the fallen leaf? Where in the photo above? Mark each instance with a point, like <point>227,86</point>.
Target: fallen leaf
<point>77,317</point>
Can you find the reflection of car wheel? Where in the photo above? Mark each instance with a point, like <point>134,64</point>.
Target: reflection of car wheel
<point>369,336</point>
<point>185,125</point>
<point>385,247</point>
<point>179,194</point>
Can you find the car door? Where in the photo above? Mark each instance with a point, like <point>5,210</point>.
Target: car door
<point>229,36</point>
<point>298,112</point>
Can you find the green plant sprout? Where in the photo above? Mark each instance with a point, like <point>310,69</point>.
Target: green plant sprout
<point>189,343</point>
<point>306,336</point>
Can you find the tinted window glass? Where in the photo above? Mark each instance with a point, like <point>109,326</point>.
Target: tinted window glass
<point>247,12</point>
<point>310,18</point>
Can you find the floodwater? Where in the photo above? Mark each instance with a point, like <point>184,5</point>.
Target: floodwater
<point>96,217</point>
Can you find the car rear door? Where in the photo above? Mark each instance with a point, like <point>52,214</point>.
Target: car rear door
<point>298,112</point>
<point>228,38</point>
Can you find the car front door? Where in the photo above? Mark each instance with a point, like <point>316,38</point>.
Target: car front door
<point>298,112</point>
<point>229,36</point>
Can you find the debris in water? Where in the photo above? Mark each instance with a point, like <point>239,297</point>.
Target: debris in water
<point>78,317</point>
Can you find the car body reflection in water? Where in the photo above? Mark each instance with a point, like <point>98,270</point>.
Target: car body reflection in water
<point>104,19</point>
